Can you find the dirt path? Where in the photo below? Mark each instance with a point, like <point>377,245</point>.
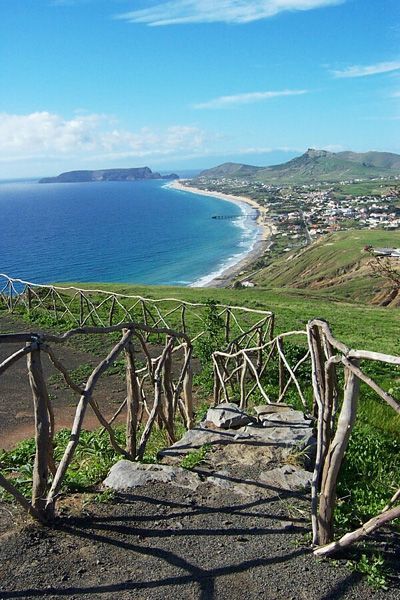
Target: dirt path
<point>166,542</point>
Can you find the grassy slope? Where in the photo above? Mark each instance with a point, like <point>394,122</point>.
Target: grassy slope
<point>359,326</point>
<point>335,266</point>
<point>374,188</point>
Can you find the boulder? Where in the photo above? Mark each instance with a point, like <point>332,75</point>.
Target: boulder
<point>227,416</point>
<point>125,475</point>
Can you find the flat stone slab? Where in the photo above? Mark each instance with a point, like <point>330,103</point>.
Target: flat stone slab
<point>125,475</point>
<point>267,409</point>
<point>287,477</point>
<point>287,418</point>
<point>227,416</point>
<point>279,434</point>
<point>197,437</point>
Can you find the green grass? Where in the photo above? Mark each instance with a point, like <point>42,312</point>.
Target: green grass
<point>195,457</point>
<point>367,188</point>
<point>92,460</point>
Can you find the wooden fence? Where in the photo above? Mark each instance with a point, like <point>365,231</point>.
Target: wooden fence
<point>156,391</point>
<point>80,307</point>
<point>240,372</point>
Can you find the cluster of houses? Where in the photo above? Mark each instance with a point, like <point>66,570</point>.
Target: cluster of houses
<point>301,213</point>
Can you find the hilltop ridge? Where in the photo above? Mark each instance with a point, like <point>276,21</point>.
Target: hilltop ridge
<point>315,165</point>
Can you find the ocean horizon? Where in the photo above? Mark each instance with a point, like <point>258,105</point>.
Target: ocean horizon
<point>141,232</point>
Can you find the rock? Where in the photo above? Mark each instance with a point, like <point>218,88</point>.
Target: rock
<point>267,409</point>
<point>287,477</point>
<point>291,418</point>
<point>221,479</point>
<point>125,475</point>
<point>197,437</point>
<point>280,434</point>
<point>227,416</point>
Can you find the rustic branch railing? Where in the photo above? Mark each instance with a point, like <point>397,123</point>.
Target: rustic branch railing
<point>334,428</point>
<point>239,373</point>
<point>170,391</point>
<point>80,307</point>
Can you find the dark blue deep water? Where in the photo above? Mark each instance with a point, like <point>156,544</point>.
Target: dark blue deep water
<point>130,232</point>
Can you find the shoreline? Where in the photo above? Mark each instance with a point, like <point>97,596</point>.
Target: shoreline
<point>266,229</point>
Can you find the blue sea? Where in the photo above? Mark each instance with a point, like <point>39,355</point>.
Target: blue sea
<point>128,232</point>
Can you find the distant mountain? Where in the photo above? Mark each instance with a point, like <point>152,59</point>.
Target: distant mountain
<point>107,175</point>
<point>314,165</point>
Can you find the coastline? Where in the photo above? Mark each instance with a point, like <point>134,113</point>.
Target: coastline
<point>266,229</point>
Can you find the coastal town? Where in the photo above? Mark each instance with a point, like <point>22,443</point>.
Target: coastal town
<point>300,214</point>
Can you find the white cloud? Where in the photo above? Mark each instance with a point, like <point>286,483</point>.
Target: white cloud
<point>366,70</point>
<point>249,98</point>
<point>176,12</point>
<point>44,134</point>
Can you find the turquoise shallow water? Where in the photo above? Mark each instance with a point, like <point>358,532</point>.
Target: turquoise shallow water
<point>131,232</point>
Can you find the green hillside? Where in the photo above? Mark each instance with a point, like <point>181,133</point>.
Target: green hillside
<point>315,165</point>
<point>385,160</point>
<point>334,266</point>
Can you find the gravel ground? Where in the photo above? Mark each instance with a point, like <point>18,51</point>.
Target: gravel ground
<point>165,541</point>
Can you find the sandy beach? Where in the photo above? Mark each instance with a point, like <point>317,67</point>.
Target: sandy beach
<point>261,245</point>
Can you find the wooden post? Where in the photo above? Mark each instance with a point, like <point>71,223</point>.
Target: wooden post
<point>243,403</point>
<point>29,296</point>
<point>188,389</point>
<point>335,455</point>
<point>144,313</point>
<point>167,407</point>
<point>81,309</point>
<point>53,296</point>
<point>111,315</point>
<point>271,326</point>
<point>260,351</point>
<point>282,374</point>
<point>183,321</point>
<point>42,430</point>
<point>313,334</point>
<point>133,401</point>
<point>227,325</point>
<point>217,385</point>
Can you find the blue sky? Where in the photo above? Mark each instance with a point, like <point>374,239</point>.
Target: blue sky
<point>180,84</point>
